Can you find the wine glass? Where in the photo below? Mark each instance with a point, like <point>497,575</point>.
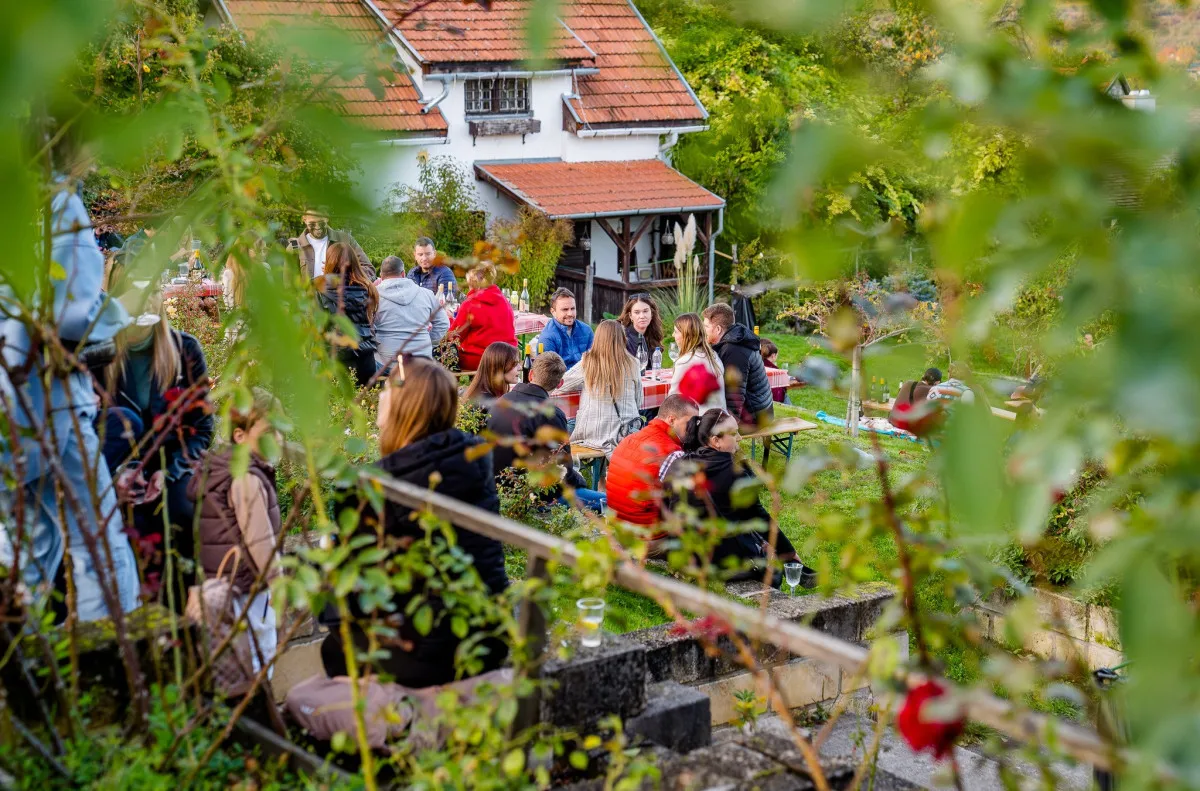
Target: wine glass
<point>792,572</point>
<point>674,350</point>
<point>643,358</point>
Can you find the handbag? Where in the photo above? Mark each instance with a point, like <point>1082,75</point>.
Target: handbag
<point>214,604</point>
<point>627,427</point>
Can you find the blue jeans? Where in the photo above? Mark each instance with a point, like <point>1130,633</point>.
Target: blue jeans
<point>590,499</point>
<point>43,544</point>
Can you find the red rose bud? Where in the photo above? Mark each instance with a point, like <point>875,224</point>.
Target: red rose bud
<point>709,627</point>
<point>919,728</point>
<point>921,419</point>
<point>698,383</point>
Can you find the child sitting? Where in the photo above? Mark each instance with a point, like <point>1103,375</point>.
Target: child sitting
<point>770,355</point>
<point>242,514</point>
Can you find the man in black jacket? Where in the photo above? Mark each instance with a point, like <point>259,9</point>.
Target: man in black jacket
<point>747,389</point>
<point>525,411</point>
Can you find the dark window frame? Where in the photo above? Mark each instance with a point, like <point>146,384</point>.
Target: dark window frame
<point>496,88</point>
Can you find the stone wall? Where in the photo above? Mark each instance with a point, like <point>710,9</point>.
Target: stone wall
<point>801,681</point>
<point>1065,629</point>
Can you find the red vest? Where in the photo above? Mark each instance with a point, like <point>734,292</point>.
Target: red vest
<point>632,484</point>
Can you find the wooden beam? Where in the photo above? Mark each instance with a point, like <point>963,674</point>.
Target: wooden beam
<point>626,249</point>
<point>645,226</point>
<point>603,223</point>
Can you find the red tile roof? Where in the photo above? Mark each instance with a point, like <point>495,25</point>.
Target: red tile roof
<point>637,83</point>
<point>397,111</point>
<point>454,31</point>
<point>581,189</point>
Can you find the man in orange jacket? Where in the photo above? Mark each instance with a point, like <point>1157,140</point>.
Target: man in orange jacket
<point>633,484</point>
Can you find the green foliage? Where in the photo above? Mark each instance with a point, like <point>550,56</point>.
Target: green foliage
<point>442,205</point>
<point>539,242</point>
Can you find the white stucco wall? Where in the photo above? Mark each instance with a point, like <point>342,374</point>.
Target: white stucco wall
<point>606,257</point>
<point>399,165</point>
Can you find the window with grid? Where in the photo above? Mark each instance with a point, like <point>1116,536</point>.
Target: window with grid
<point>499,96</point>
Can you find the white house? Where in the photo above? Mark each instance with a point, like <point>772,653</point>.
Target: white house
<point>585,138</point>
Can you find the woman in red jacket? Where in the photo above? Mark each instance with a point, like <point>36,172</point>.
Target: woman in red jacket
<point>484,317</point>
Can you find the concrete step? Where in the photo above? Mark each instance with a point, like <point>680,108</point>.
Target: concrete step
<point>676,717</point>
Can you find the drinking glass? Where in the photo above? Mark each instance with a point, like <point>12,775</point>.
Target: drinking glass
<point>643,358</point>
<point>792,572</point>
<point>591,616</point>
<point>674,352</point>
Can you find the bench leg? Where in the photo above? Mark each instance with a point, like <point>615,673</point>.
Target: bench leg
<point>766,451</point>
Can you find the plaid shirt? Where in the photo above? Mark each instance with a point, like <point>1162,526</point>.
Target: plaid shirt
<point>599,420</point>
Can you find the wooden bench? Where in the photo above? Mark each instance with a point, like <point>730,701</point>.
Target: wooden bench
<point>778,435</point>
<point>595,460</point>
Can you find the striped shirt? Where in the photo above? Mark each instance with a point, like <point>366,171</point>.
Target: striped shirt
<point>599,420</point>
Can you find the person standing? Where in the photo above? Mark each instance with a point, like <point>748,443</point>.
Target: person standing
<point>428,273</point>
<point>747,388</point>
<point>59,410</point>
<point>565,335</point>
<point>312,246</point>
<point>694,351</point>
<point>485,317</point>
<point>409,319</point>
<point>521,414</point>
<point>346,290</point>
<point>610,388</point>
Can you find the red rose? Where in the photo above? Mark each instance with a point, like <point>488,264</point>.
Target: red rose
<point>923,732</point>
<point>172,395</point>
<point>709,627</point>
<point>698,383</point>
<point>922,419</point>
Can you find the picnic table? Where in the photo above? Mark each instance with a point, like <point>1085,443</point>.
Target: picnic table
<point>529,323</point>
<point>655,387</point>
<point>205,288</point>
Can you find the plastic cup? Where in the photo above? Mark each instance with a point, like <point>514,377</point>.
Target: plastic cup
<point>591,618</point>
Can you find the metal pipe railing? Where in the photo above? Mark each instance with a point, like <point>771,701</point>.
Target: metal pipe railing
<point>1082,744</point>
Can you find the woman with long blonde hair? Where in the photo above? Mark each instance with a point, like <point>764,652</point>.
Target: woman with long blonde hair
<point>694,351</point>
<point>421,445</point>
<point>609,381</point>
<point>157,416</point>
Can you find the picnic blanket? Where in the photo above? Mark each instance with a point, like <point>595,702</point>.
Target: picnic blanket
<point>878,425</point>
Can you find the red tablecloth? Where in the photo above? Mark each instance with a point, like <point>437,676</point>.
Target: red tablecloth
<point>205,288</point>
<point>530,323</point>
<point>655,389</point>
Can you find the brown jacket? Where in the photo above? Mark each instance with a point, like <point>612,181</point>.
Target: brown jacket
<point>241,512</point>
<point>308,257</point>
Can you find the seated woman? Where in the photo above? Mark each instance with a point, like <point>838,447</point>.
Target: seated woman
<point>709,444</point>
<point>484,317</point>
<point>346,290</point>
<point>610,388</point>
<point>643,328</point>
<point>499,369</point>
<point>159,419</point>
<point>417,437</point>
<point>770,355</point>
<point>694,351</point>
<point>913,393</point>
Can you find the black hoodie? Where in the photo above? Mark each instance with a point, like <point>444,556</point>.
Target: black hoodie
<point>750,395</point>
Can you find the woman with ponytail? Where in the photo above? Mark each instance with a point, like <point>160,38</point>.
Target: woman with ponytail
<point>725,488</point>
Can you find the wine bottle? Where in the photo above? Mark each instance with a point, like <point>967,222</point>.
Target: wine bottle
<point>756,330</point>
<point>886,397</point>
<point>523,301</point>
<point>527,366</point>
<point>541,349</point>
<point>874,391</point>
<point>441,294</point>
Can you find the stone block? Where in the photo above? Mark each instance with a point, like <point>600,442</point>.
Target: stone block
<point>1099,656</point>
<point>595,683</point>
<point>732,765</point>
<point>779,745</point>
<point>1102,626</point>
<point>1062,614</point>
<point>676,717</point>
<point>802,682</point>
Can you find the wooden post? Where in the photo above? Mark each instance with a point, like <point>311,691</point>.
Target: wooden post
<point>854,407</point>
<point>626,248</point>
<point>531,625</point>
<point>587,291</point>
<point>733,268</point>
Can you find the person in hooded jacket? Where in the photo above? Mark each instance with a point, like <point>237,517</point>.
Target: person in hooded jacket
<point>420,444</point>
<point>346,290</point>
<point>409,320</point>
<point>484,317</point>
<point>747,388</point>
<point>724,488</point>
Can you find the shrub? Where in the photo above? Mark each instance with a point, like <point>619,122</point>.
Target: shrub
<point>443,205</point>
<point>539,242</point>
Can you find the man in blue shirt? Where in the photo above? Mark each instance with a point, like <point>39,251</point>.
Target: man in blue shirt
<point>428,274</point>
<point>564,334</point>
